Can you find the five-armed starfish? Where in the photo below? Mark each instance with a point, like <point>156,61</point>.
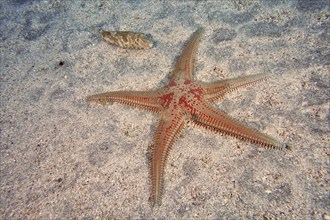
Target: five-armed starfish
<point>182,100</point>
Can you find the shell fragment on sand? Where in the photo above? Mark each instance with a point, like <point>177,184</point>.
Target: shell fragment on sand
<point>126,39</point>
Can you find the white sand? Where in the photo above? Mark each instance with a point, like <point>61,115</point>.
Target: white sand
<point>62,158</point>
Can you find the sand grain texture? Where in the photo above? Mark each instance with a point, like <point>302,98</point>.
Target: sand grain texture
<point>62,158</point>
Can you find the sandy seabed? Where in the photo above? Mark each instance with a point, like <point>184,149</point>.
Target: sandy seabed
<point>63,158</point>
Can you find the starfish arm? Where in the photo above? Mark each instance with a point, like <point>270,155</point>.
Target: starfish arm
<point>216,90</point>
<point>211,118</point>
<point>166,134</point>
<point>147,100</point>
<point>184,67</point>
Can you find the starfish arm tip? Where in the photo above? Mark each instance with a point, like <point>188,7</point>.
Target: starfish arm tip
<point>283,146</point>
<point>288,147</point>
<point>99,99</point>
<point>88,99</point>
<point>200,29</point>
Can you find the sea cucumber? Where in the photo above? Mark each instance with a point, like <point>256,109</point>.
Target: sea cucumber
<point>126,39</point>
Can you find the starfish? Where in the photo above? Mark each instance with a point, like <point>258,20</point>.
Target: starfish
<point>185,100</point>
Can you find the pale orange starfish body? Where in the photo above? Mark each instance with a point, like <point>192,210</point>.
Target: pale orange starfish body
<point>182,100</point>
